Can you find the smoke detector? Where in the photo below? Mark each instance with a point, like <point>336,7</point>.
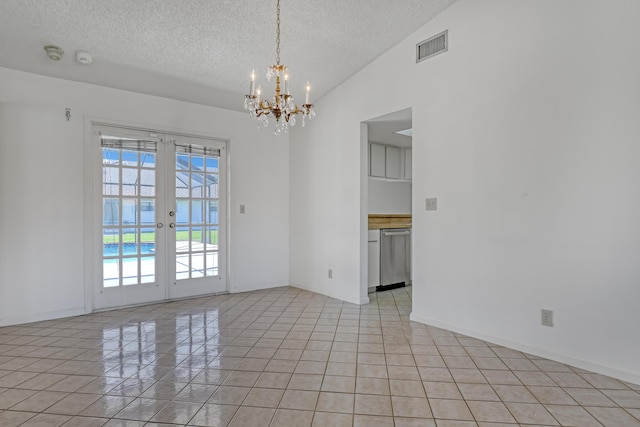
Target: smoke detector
<point>83,57</point>
<point>54,52</point>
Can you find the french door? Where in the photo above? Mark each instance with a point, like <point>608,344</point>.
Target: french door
<point>162,216</point>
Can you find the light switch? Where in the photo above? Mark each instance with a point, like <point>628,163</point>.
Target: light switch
<point>432,204</point>
<point>241,209</point>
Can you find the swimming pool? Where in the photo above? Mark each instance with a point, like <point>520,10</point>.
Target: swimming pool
<point>111,249</point>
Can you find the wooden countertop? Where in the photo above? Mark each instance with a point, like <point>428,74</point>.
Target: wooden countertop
<point>378,221</point>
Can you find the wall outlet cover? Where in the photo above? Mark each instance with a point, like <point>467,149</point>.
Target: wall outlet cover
<point>547,317</point>
<point>431,204</point>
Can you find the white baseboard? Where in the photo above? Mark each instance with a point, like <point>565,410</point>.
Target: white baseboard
<point>336,295</point>
<point>558,357</point>
<point>256,287</point>
<point>38,317</point>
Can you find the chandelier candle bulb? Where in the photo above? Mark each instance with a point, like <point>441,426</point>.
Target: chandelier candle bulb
<point>252,86</point>
<point>286,84</point>
<point>308,90</point>
<point>258,96</point>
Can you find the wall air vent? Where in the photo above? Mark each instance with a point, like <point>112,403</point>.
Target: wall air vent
<point>432,46</point>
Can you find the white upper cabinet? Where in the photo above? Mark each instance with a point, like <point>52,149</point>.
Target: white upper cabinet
<point>389,162</point>
<point>407,163</point>
<point>392,169</point>
<point>377,160</point>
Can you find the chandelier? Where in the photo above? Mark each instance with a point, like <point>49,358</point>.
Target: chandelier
<point>281,106</point>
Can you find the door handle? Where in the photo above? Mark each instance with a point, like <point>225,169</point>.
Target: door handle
<point>395,233</point>
<point>159,225</point>
<point>172,225</point>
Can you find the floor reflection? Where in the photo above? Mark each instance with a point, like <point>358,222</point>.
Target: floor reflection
<point>285,357</point>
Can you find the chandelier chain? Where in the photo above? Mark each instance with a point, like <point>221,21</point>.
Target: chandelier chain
<point>278,36</point>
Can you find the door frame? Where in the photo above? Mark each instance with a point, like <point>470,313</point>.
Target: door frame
<point>92,158</point>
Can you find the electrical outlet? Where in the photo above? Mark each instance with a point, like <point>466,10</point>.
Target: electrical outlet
<point>241,209</point>
<point>431,204</point>
<point>330,274</point>
<point>547,317</point>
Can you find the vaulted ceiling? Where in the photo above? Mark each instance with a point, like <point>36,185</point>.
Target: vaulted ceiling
<point>203,51</point>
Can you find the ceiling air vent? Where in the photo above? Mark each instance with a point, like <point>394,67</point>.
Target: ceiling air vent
<point>432,46</point>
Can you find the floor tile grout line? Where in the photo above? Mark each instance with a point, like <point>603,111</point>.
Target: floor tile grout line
<point>383,308</point>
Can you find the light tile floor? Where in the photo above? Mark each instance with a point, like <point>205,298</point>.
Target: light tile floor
<point>287,357</point>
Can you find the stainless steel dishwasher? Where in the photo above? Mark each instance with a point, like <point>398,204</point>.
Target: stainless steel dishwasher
<point>395,258</point>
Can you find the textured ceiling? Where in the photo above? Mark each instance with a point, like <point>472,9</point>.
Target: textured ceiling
<point>203,51</point>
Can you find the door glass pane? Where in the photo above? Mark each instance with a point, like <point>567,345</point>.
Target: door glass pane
<point>130,241</point>
<point>148,160</point>
<point>111,273</point>
<point>110,211</point>
<point>130,180</point>
<point>110,156</point>
<point>182,266</point>
<point>212,263</point>
<point>197,265</point>
<point>129,158</point>
<point>130,211</point>
<point>148,269</point>
<point>212,233</point>
<point>111,181</point>
<point>182,239</point>
<point>148,239</point>
<point>197,185</point>
<point>182,184</point>
<point>212,185</point>
<point>212,212</point>
<point>130,274</point>
<point>147,182</point>
<point>196,211</point>
<point>128,233</point>
<point>111,242</point>
<point>197,215</point>
<point>147,211</point>
<point>182,211</point>
<point>182,162</point>
<point>212,164</point>
<point>197,244</point>
<point>197,163</point>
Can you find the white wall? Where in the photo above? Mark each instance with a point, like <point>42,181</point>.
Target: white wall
<point>527,132</point>
<point>329,179</point>
<point>388,197</point>
<point>42,182</point>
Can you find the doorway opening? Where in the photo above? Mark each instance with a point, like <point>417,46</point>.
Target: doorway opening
<point>386,200</point>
